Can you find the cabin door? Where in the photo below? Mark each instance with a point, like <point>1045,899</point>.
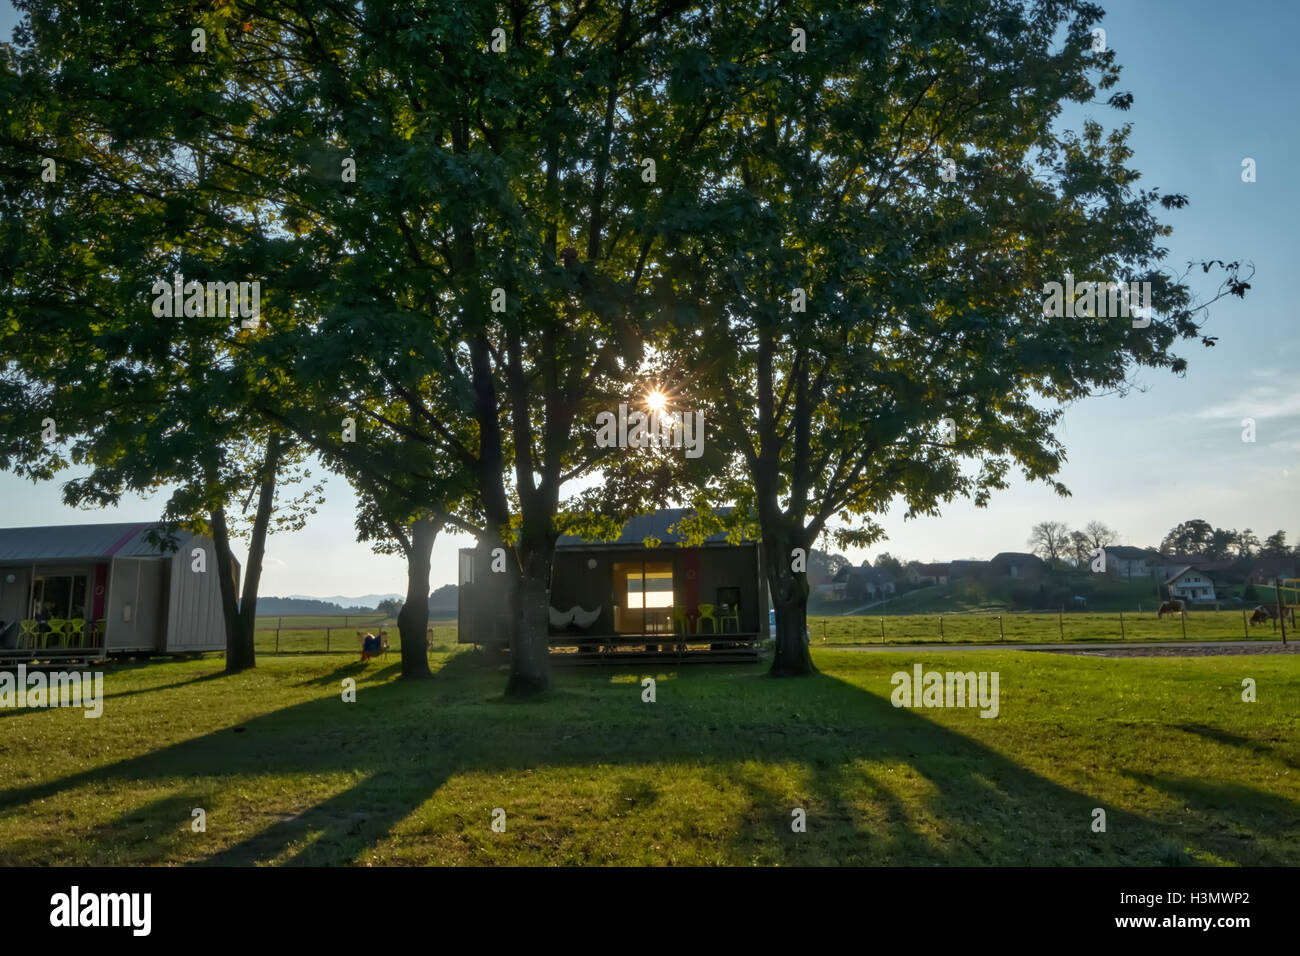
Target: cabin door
<point>643,597</point>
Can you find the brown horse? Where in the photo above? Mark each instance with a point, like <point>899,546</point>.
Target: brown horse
<point>1170,607</point>
<point>1262,614</point>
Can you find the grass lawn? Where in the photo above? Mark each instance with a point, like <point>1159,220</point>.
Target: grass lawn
<point>410,773</point>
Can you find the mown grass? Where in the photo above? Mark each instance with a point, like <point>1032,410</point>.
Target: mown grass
<point>707,774</point>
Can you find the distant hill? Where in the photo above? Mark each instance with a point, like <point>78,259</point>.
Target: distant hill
<point>302,605</point>
<point>443,599</point>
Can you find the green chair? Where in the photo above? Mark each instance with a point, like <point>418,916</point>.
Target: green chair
<point>31,633</point>
<point>730,615</point>
<point>75,631</point>
<point>97,630</point>
<point>706,614</point>
<point>681,625</point>
<point>54,635</point>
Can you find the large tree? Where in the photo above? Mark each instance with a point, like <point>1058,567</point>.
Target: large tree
<point>860,286</point>
<point>142,392</point>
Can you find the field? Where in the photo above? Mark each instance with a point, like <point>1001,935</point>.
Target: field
<point>712,772</point>
<point>321,633</point>
<point>313,634</point>
<point>1031,628</point>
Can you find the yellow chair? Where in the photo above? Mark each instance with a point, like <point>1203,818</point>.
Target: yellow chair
<point>730,615</point>
<point>75,631</point>
<point>54,636</point>
<point>706,614</point>
<point>97,632</point>
<point>680,624</point>
<point>30,633</point>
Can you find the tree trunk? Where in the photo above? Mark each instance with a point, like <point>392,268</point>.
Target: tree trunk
<point>413,619</point>
<point>789,592</point>
<point>245,650</point>
<point>529,640</point>
<point>227,578</point>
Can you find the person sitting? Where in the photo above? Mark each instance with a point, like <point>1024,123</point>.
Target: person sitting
<point>370,646</point>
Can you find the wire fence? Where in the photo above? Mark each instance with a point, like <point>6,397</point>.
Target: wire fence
<point>340,634</point>
<point>1062,626</point>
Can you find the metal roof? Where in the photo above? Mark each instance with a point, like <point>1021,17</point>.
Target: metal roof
<point>653,525</point>
<point>79,542</point>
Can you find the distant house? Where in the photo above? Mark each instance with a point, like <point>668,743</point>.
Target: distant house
<point>966,569</point>
<point>824,592</point>
<point>1190,584</point>
<point>1017,564</point>
<point>863,584</point>
<point>1129,562</point>
<point>1169,564</point>
<point>1267,570</point>
<point>928,573</point>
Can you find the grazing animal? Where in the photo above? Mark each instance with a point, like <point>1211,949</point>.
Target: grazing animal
<point>1170,607</point>
<point>1262,614</point>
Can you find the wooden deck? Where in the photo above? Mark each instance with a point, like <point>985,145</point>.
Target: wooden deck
<point>655,648</point>
<point>26,655</point>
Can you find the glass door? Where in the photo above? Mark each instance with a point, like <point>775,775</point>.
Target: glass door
<point>59,597</point>
<point>643,597</point>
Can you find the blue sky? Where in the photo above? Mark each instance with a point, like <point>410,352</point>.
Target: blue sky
<point>1214,84</point>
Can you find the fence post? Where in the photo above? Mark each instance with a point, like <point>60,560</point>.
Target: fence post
<point>327,639</point>
<point>1122,636</point>
<point>277,637</point>
<point>1245,627</point>
<point>1060,621</point>
<point>1001,633</point>
<point>941,637</point>
<point>882,629</point>
<point>1183,617</point>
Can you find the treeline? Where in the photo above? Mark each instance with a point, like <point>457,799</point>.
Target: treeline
<point>285,605</point>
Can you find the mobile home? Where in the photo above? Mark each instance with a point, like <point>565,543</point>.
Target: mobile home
<point>645,592</point>
<point>100,589</point>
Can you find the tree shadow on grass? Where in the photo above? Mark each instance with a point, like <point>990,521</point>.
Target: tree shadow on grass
<point>1235,740</point>
<point>879,784</point>
<point>1238,822</point>
<point>203,678</point>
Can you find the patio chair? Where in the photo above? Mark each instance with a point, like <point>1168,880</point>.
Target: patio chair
<point>75,632</point>
<point>730,615</point>
<point>706,614</point>
<point>54,637</point>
